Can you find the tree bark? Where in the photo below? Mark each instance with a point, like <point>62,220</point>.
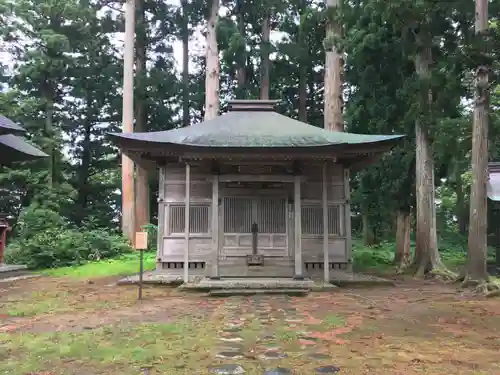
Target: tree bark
<point>476,270</point>
<point>84,170</point>
<point>128,190</point>
<point>212,64</point>
<point>403,231</point>
<point>142,209</point>
<point>265,62</point>
<point>303,68</point>
<point>461,211</point>
<point>369,238</point>
<point>49,131</point>
<point>333,71</point>
<point>241,73</point>
<point>427,257</point>
<point>185,64</point>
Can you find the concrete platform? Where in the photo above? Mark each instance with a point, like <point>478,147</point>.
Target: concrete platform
<point>252,292</point>
<point>339,278</point>
<point>207,284</point>
<point>155,278</point>
<point>12,270</point>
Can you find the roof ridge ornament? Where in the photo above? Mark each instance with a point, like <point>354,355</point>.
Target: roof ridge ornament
<point>257,105</point>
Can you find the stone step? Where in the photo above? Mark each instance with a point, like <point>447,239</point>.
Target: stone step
<point>268,283</point>
<point>8,271</point>
<point>249,292</point>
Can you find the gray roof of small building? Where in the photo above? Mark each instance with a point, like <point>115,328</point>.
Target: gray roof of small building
<point>7,126</point>
<point>252,129</point>
<point>15,149</point>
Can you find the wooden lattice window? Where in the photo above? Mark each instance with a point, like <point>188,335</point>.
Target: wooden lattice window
<point>312,220</point>
<point>238,215</point>
<point>199,218</point>
<point>271,215</point>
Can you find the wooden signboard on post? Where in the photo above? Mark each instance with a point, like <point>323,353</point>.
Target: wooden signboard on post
<point>141,240</point>
<point>141,244</point>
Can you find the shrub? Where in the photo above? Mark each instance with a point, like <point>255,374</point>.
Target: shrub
<point>373,257</point>
<point>45,240</point>
<point>152,236</point>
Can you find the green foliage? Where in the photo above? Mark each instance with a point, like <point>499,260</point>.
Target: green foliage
<point>377,257</point>
<point>65,88</point>
<point>152,236</point>
<point>45,239</point>
<point>380,257</point>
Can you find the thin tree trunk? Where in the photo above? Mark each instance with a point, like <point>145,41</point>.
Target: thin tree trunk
<point>241,73</point>
<point>311,88</point>
<point>128,190</point>
<point>265,62</point>
<point>477,245</point>
<point>303,68</point>
<point>333,72</point>
<point>426,253</point>
<point>212,64</point>
<point>460,208</point>
<point>142,212</point>
<point>403,231</point>
<point>49,131</point>
<point>185,64</point>
<point>368,234</point>
<point>84,170</point>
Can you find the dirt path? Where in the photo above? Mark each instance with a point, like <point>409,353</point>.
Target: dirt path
<point>68,327</point>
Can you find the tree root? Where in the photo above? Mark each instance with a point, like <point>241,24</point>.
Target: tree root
<point>443,274</point>
<point>486,287</point>
<point>489,289</point>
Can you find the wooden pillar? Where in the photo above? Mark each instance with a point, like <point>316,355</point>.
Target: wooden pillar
<point>187,205</point>
<point>215,226</point>
<point>298,227</point>
<point>161,215</point>
<point>326,262</point>
<point>347,215</point>
<point>128,189</point>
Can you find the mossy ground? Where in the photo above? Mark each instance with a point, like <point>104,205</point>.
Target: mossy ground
<point>67,325</point>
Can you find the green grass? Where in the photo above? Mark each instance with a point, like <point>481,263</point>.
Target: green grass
<point>125,265</point>
<point>334,320</point>
<point>112,347</point>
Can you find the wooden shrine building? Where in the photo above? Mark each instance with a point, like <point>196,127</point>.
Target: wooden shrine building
<point>253,193</point>
<point>493,190</point>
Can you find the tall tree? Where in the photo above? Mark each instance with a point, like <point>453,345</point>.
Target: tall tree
<point>333,69</point>
<point>128,182</point>
<point>265,62</point>
<point>142,200</point>
<point>476,271</point>
<point>185,61</point>
<point>212,100</point>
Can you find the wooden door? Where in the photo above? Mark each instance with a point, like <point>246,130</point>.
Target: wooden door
<point>271,216</point>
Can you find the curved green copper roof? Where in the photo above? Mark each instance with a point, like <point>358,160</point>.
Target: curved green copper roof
<point>253,129</point>
<point>15,149</point>
<point>7,126</point>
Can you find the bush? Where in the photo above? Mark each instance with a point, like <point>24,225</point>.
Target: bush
<point>152,236</point>
<point>45,240</point>
<point>373,257</point>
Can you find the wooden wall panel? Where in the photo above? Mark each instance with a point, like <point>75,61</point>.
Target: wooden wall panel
<point>200,249</point>
<point>312,249</point>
